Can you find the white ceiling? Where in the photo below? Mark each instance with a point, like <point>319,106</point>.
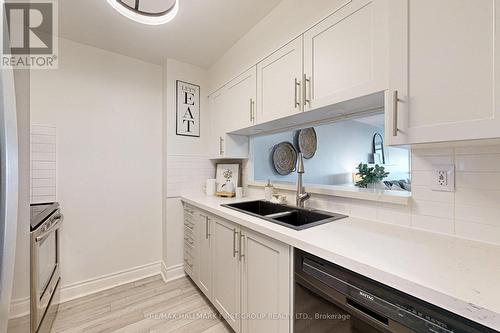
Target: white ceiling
<point>201,33</point>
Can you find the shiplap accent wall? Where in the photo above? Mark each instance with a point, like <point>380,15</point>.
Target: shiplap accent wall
<point>43,164</point>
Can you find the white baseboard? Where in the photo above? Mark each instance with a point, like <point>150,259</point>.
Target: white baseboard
<point>21,307</point>
<point>104,282</point>
<point>172,273</point>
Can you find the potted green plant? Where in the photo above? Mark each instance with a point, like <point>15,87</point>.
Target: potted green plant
<point>370,176</point>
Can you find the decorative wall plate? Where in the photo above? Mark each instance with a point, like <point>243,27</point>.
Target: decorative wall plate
<point>307,142</point>
<point>284,158</point>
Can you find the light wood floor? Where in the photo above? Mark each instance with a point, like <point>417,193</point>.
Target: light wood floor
<point>148,305</point>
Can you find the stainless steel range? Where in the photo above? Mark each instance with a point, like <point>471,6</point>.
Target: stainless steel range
<point>45,268</point>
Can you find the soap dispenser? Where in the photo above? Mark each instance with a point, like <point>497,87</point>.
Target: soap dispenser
<point>268,190</point>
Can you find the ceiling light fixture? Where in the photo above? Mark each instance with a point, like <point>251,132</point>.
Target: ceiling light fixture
<point>134,10</point>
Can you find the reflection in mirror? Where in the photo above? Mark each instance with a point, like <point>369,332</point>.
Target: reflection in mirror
<point>378,149</point>
<point>341,147</point>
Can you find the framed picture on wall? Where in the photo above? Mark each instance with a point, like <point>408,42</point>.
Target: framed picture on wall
<point>227,173</point>
<point>187,109</point>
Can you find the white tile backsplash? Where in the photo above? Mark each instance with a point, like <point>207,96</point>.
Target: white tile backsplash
<point>186,174</point>
<point>478,163</point>
<point>43,160</point>
<point>473,210</point>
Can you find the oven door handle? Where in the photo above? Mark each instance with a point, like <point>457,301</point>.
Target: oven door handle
<point>59,218</point>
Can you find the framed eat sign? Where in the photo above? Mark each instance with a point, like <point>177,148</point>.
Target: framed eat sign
<point>188,109</point>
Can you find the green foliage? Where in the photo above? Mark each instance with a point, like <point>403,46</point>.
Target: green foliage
<point>370,175</point>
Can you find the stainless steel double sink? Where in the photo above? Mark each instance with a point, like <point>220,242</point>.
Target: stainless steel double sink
<point>285,215</point>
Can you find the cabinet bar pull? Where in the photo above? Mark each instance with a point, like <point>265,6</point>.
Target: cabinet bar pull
<point>235,251</point>
<point>251,113</point>
<point>241,239</point>
<point>206,228</point>
<point>305,89</point>
<point>295,86</point>
<point>221,145</point>
<point>252,110</point>
<point>395,113</point>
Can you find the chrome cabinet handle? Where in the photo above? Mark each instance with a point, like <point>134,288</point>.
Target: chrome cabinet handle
<point>252,113</point>
<point>395,101</point>
<point>59,218</point>
<point>305,89</point>
<point>235,251</point>
<point>241,239</point>
<point>206,228</point>
<point>296,101</point>
<point>221,145</point>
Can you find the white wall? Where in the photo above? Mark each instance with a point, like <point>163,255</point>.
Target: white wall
<point>186,161</point>
<point>108,112</point>
<point>285,22</point>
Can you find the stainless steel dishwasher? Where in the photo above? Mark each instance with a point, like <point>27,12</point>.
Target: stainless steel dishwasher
<point>329,298</point>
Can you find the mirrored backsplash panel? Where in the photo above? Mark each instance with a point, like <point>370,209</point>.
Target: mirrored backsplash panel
<point>341,147</point>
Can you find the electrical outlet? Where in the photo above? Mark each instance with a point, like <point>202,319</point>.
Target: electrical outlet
<point>443,178</point>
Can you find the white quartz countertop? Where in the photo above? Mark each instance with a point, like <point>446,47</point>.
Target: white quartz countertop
<point>458,275</point>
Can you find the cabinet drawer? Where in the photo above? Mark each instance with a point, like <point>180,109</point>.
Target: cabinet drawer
<point>188,264</point>
<point>189,245</point>
<point>188,231</point>
<point>189,219</point>
<point>189,211</point>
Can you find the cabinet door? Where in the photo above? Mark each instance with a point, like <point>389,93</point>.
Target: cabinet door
<point>345,55</point>
<point>266,279</point>
<point>226,271</point>
<point>443,67</point>
<point>223,145</point>
<point>239,98</point>
<point>204,255</point>
<point>279,79</point>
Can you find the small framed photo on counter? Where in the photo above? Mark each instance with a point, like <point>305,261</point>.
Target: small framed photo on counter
<point>228,176</point>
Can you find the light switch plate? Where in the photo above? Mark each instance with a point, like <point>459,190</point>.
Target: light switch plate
<point>443,178</point>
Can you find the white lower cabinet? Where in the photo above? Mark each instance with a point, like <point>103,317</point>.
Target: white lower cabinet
<point>204,257</point>
<point>226,271</point>
<point>265,284</point>
<point>246,275</point>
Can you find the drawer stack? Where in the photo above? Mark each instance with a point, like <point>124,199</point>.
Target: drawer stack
<point>189,240</point>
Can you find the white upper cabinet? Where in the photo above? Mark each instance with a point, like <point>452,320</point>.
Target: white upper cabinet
<point>279,79</point>
<point>345,55</point>
<point>443,71</point>
<point>223,119</point>
<point>239,97</point>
